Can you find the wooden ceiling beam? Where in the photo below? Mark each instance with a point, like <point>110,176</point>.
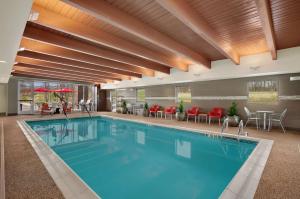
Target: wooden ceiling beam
<point>190,17</point>
<point>67,71</point>
<point>58,73</point>
<point>120,19</point>
<point>61,77</point>
<point>38,76</point>
<point>58,22</point>
<point>44,36</point>
<point>43,48</point>
<point>42,63</point>
<point>264,11</point>
<point>69,62</point>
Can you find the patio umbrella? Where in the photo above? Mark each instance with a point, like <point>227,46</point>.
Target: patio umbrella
<point>63,90</point>
<point>41,90</point>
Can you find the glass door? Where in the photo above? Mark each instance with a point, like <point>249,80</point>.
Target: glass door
<point>25,97</point>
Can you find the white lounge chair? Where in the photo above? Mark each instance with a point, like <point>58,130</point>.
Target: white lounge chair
<point>277,117</point>
<point>252,117</point>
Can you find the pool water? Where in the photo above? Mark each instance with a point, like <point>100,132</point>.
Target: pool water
<point>127,160</point>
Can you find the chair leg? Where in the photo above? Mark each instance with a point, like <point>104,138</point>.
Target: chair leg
<point>246,123</point>
<point>195,119</point>
<point>256,123</point>
<point>219,121</point>
<point>209,119</point>
<point>187,118</point>
<point>282,127</point>
<point>270,123</point>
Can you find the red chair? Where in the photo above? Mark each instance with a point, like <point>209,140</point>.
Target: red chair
<point>217,113</point>
<point>192,112</point>
<point>154,109</point>
<point>171,110</point>
<point>46,109</point>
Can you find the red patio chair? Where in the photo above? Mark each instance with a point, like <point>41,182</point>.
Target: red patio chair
<point>45,110</point>
<point>216,113</point>
<point>153,109</point>
<point>192,112</point>
<point>171,110</point>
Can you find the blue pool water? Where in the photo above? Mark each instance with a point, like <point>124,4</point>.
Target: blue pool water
<point>121,160</point>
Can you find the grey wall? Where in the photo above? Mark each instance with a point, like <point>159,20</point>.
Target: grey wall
<point>3,99</point>
<point>12,93</point>
<point>230,87</point>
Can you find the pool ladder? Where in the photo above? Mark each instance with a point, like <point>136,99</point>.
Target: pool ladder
<point>240,129</point>
<point>85,107</point>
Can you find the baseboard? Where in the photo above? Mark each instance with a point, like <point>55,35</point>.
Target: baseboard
<point>12,114</point>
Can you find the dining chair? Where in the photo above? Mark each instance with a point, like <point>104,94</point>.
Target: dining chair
<point>277,117</point>
<point>251,117</point>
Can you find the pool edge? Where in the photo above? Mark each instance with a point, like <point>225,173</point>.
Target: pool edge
<point>69,183</point>
<point>245,181</point>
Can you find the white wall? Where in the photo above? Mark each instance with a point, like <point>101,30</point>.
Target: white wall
<point>3,98</point>
<point>254,65</point>
<point>13,17</point>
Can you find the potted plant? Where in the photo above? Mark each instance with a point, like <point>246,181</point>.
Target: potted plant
<point>146,110</point>
<point>181,114</point>
<point>124,107</point>
<point>233,118</point>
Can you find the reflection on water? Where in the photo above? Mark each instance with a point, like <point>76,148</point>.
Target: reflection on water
<point>64,132</point>
<point>143,161</point>
<point>140,137</point>
<point>183,148</point>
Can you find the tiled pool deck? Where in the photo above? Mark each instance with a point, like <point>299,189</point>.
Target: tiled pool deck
<point>280,178</point>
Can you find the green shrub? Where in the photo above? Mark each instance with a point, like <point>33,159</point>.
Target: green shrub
<point>233,109</point>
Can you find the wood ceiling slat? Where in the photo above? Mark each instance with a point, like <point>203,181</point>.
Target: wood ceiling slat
<point>286,21</point>
<point>236,21</point>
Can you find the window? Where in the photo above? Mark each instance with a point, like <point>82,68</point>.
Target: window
<point>140,95</point>
<point>263,91</point>
<point>184,94</point>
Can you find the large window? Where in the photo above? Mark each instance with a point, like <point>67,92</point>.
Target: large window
<point>32,94</point>
<point>263,91</point>
<point>184,94</point>
<point>140,95</point>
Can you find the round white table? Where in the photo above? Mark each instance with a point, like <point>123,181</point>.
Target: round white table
<point>265,117</point>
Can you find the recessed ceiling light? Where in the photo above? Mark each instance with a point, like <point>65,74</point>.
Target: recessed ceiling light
<point>2,61</point>
<point>255,68</point>
<point>33,16</point>
<point>21,49</point>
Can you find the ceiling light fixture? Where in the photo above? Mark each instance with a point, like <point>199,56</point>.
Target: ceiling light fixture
<point>33,16</point>
<point>255,68</point>
<point>21,49</point>
<point>2,61</point>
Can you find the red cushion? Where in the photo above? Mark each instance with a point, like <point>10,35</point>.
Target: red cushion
<point>193,111</point>
<point>154,108</point>
<point>170,110</point>
<point>216,112</point>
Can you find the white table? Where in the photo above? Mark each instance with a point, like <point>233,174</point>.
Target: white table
<point>202,115</point>
<point>265,117</point>
<point>160,113</point>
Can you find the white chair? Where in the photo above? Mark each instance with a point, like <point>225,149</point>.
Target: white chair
<point>252,117</point>
<point>129,108</point>
<point>277,117</point>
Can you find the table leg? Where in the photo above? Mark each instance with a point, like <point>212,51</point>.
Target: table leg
<point>265,117</point>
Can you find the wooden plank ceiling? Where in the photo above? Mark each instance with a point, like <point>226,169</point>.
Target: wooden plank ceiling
<point>114,40</point>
